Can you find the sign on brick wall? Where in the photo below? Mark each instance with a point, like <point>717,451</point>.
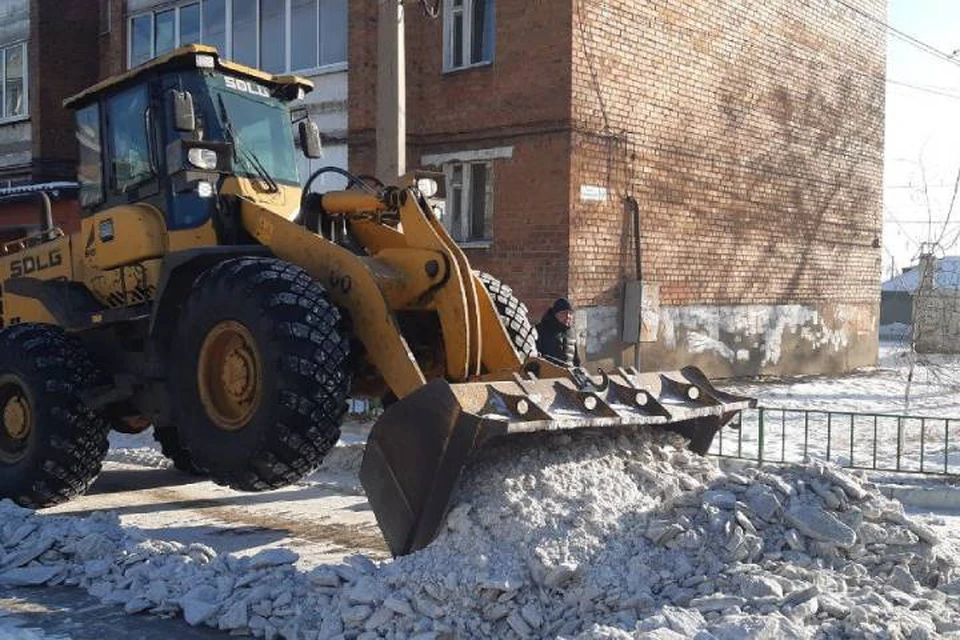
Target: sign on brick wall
<point>593,193</point>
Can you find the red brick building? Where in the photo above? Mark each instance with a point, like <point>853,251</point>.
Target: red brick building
<point>749,133</point>
<point>48,50</point>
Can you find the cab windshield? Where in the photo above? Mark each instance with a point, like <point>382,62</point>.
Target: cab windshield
<point>259,127</point>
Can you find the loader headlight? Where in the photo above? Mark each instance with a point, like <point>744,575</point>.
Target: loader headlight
<point>202,158</point>
<point>428,187</point>
<point>204,189</point>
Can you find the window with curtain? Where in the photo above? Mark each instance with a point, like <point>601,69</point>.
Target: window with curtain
<point>13,76</point>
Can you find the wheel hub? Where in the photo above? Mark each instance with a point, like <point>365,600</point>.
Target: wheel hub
<point>229,375</point>
<point>16,418</point>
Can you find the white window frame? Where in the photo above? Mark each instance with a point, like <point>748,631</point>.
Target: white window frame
<point>153,36</point>
<point>448,15</point>
<point>466,202</point>
<point>5,119</point>
<point>318,69</point>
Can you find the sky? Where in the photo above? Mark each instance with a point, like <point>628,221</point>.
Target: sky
<point>922,134</point>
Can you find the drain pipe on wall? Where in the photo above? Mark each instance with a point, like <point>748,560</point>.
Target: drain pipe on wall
<point>633,290</point>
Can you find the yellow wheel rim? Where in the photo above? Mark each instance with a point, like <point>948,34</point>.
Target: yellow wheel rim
<point>230,375</point>
<point>17,421</point>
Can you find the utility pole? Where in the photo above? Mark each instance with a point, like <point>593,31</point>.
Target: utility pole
<point>391,92</point>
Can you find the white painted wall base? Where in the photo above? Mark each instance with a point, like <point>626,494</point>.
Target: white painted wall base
<point>741,340</point>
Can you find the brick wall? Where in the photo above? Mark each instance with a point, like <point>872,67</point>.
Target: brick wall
<point>113,37</point>
<point>63,35</point>
<point>521,101</point>
<point>751,134</point>
<point>16,217</point>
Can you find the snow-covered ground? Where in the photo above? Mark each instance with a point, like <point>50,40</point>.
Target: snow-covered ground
<point>902,382</point>
<point>563,537</point>
<point>323,517</point>
<point>578,536</point>
<point>916,401</point>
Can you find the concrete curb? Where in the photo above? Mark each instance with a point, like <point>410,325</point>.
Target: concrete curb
<point>934,498</point>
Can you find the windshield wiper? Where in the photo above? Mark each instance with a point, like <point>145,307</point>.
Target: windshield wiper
<point>248,154</point>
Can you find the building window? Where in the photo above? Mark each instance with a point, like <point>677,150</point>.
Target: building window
<point>141,39</point>
<point>165,31</point>
<point>215,24</point>
<point>190,23</point>
<point>468,33</point>
<point>89,167</point>
<point>13,77</point>
<point>333,31</point>
<point>245,42</point>
<point>468,211</point>
<point>278,36</point>
<point>272,29</point>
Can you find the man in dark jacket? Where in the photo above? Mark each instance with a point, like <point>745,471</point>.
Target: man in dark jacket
<point>554,339</point>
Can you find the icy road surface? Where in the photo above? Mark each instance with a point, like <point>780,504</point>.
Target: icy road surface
<point>323,518</point>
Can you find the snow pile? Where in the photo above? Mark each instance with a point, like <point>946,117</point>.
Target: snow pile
<point>137,449</point>
<point>562,537</point>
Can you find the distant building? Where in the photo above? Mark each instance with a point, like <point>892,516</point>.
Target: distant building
<point>897,294</point>
<point>939,302</point>
<point>946,275</point>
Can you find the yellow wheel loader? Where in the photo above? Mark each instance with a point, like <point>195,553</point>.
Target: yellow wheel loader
<point>208,295</point>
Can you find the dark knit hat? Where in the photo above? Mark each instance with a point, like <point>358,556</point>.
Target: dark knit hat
<point>561,304</point>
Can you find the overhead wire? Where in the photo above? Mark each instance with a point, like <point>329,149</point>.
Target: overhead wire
<point>931,90</point>
<point>902,35</point>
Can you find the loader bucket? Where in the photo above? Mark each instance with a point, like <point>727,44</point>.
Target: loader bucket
<point>417,450</point>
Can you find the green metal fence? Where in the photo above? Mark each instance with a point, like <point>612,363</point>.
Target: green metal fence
<point>873,441</point>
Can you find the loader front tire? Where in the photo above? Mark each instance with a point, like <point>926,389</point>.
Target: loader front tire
<point>51,445</point>
<point>513,315</point>
<point>259,375</point>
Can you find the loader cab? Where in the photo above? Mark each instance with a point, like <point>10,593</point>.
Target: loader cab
<point>175,131</point>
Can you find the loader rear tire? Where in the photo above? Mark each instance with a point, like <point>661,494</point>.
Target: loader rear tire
<point>513,315</point>
<point>172,450</point>
<point>51,445</point>
<point>268,331</point>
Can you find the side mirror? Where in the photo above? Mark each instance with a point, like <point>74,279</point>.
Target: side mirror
<point>297,114</point>
<point>310,143</point>
<point>183,115</point>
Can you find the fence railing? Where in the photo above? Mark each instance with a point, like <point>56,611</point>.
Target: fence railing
<point>873,441</point>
